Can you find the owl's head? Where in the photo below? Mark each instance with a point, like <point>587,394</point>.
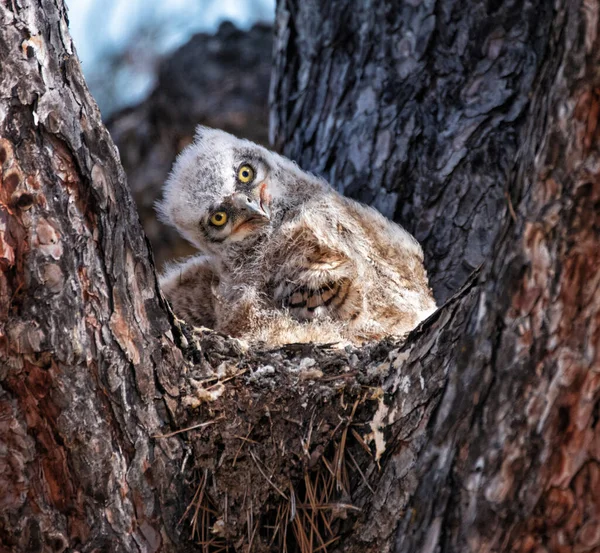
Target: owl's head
<point>223,190</point>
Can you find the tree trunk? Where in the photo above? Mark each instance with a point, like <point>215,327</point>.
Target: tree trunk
<point>88,359</point>
<point>415,108</point>
<point>475,124</point>
<point>479,433</point>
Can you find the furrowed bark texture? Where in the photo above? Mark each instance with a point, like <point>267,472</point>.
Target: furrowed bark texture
<point>414,108</point>
<point>478,433</point>
<point>487,97</point>
<point>85,353</point>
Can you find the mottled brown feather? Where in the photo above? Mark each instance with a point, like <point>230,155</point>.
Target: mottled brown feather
<point>325,268</point>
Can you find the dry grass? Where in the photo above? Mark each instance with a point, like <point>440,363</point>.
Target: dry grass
<point>307,515</point>
<point>203,516</point>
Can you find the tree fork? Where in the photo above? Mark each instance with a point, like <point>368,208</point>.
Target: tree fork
<point>478,433</point>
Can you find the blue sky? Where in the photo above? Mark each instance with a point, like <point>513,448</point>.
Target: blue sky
<point>101,28</point>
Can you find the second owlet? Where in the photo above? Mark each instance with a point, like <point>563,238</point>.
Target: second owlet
<point>285,258</point>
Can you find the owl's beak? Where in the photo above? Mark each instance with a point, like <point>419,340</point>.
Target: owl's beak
<point>254,208</point>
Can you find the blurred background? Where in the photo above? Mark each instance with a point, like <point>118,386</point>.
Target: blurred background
<point>158,69</point>
<point>121,42</point>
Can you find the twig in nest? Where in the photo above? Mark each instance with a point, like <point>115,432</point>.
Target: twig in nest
<point>281,524</point>
<point>239,373</point>
<point>330,506</point>
<point>326,489</point>
<point>197,503</point>
<point>306,540</point>
<point>252,536</point>
<point>361,442</point>
<point>347,375</point>
<point>196,426</point>
<point>278,523</point>
<point>292,503</point>
<point>339,463</point>
<point>245,439</point>
<point>193,501</point>
<point>249,526</point>
<point>242,445</point>
<point>200,520</point>
<point>266,477</point>
<point>360,472</point>
<point>314,510</point>
<point>328,466</point>
<point>326,545</point>
<point>306,443</point>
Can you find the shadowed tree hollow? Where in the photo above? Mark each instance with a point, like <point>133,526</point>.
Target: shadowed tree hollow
<point>473,124</point>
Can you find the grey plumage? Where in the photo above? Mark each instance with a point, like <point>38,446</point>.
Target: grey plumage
<point>285,258</point>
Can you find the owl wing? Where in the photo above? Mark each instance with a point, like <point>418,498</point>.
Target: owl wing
<point>341,259</point>
<point>315,271</point>
<point>315,293</point>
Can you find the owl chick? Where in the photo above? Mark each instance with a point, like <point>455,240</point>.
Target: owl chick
<point>286,258</point>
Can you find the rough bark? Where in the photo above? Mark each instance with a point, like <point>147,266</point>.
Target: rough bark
<point>478,433</point>
<point>486,101</point>
<point>414,108</point>
<point>86,350</point>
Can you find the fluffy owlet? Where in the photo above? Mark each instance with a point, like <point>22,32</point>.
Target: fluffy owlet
<point>285,258</point>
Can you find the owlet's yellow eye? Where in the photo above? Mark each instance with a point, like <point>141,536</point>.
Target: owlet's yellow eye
<point>246,173</point>
<point>219,218</point>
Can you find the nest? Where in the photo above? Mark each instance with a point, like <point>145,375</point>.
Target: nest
<point>280,440</point>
